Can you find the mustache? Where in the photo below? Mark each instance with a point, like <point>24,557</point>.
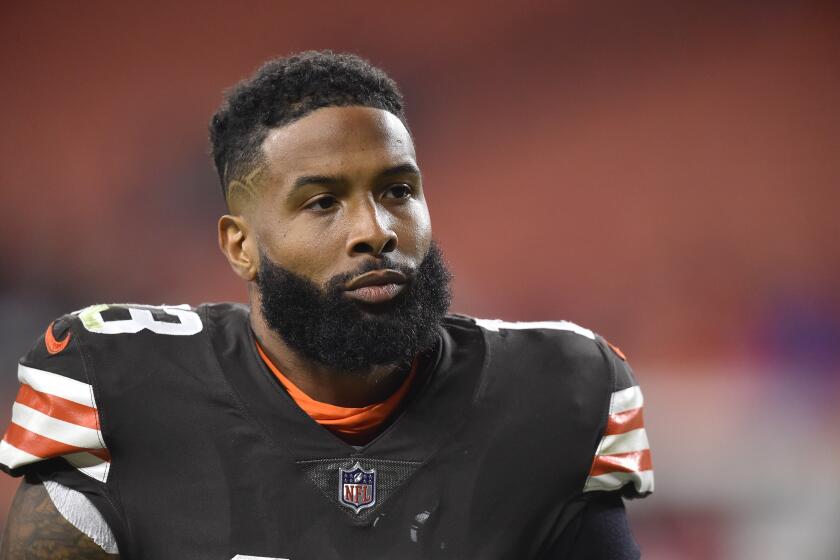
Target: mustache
<point>338,281</point>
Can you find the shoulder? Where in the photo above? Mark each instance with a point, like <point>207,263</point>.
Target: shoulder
<point>57,411</point>
<point>110,344</point>
<point>555,364</point>
<point>131,318</point>
<point>76,343</point>
<point>109,322</point>
<point>553,338</point>
<point>578,380</point>
<point>552,348</point>
<point>72,341</point>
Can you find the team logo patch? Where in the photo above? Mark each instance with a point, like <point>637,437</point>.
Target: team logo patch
<point>357,487</point>
<point>55,346</point>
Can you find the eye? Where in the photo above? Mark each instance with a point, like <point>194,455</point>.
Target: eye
<point>398,191</point>
<point>322,203</point>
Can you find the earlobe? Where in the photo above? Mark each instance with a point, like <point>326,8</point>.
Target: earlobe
<point>236,243</point>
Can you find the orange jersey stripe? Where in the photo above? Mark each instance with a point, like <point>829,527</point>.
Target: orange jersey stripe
<point>616,349</point>
<point>635,461</point>
<point>103,454</point>
<point>353,424</point>
<point>38,445</point>
<point>621,422</point>
<point>58,408</point>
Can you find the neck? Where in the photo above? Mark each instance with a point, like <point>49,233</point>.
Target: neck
<point>323,383</point>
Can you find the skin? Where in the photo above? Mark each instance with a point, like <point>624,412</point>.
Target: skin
<point>363,199</point>
<point>35,530</point>
<point>338,188</point>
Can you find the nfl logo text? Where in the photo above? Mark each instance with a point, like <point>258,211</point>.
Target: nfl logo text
<point>357,487</point>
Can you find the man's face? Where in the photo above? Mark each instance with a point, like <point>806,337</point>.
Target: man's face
<point>341,188</point>
<point>347,273</point>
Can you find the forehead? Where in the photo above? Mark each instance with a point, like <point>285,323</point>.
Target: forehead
<point>337,140</point>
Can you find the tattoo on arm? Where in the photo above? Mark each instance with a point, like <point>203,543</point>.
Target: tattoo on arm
<point>35,530</point>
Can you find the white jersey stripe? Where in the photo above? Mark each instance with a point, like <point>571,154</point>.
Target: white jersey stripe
<point>57,385</point>
<point>13,457</point>
<point>623,451</point>
<point>496,324</point>
<point>643,481</point>
<point>58,430</point>
<point>76,508</point>
<point>626,399</point>
<point>634,440</point>
<point>243,557</point>
<point>90,465</point>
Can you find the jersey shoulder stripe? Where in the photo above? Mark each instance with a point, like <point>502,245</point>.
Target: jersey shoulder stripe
<point>55,413</point>
<point>622,459</point>
<point>56,387</point>
<point>497,324</point>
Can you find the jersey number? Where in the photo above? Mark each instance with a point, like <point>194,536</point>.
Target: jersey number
<point>122,319</point>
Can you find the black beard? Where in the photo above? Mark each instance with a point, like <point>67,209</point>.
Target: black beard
<point>328,328</point>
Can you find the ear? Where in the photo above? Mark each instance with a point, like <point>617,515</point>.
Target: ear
<point>238,243</point>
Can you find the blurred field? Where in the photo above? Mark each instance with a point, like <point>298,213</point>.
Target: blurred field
<point>665,173</point>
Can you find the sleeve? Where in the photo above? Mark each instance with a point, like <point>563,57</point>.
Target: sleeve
<point>54,416</point>
<point>622,461</point>
<point>599,531</point>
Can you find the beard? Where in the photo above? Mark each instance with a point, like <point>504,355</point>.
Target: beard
<point>325,326</point>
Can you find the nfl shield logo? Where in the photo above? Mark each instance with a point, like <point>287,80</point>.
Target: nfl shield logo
<point>357,487</point>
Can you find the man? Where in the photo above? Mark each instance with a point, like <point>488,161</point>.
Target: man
<point>342,414</point>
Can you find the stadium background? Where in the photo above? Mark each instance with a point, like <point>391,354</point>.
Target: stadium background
<point>663,172</point>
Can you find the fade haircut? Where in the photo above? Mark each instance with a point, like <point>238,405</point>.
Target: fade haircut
<point>284,90</point>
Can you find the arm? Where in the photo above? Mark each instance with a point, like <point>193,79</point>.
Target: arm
<point>598,527</point>
<point>599,531</point>
<point>36,530</point>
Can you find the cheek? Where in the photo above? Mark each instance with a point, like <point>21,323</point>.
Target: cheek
<point>301,250</point>
<point>416,236</point>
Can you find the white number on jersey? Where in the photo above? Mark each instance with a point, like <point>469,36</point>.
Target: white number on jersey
<point>142,317</point>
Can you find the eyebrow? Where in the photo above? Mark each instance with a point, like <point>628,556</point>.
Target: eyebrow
<point>304,180</point>
<point>402,169</point>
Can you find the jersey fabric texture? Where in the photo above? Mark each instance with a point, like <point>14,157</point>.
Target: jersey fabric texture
<point>168,420</point>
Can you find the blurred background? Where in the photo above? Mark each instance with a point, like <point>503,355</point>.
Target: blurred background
<point>665,173</point>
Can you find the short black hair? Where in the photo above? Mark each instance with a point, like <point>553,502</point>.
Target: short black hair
<point>286,89</point>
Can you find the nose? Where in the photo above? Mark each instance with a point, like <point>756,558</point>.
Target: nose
<point>370,231</point>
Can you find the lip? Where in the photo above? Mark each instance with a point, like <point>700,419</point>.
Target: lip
<point>379,293</point>
<point>377,286</point>
<point>376,278</point>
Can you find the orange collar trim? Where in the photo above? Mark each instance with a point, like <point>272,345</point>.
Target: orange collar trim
<point>349,422</point>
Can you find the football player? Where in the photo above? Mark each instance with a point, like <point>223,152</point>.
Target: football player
<point>342,413</point>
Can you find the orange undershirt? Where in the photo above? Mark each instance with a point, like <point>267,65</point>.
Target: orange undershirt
<point>354,425</point>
